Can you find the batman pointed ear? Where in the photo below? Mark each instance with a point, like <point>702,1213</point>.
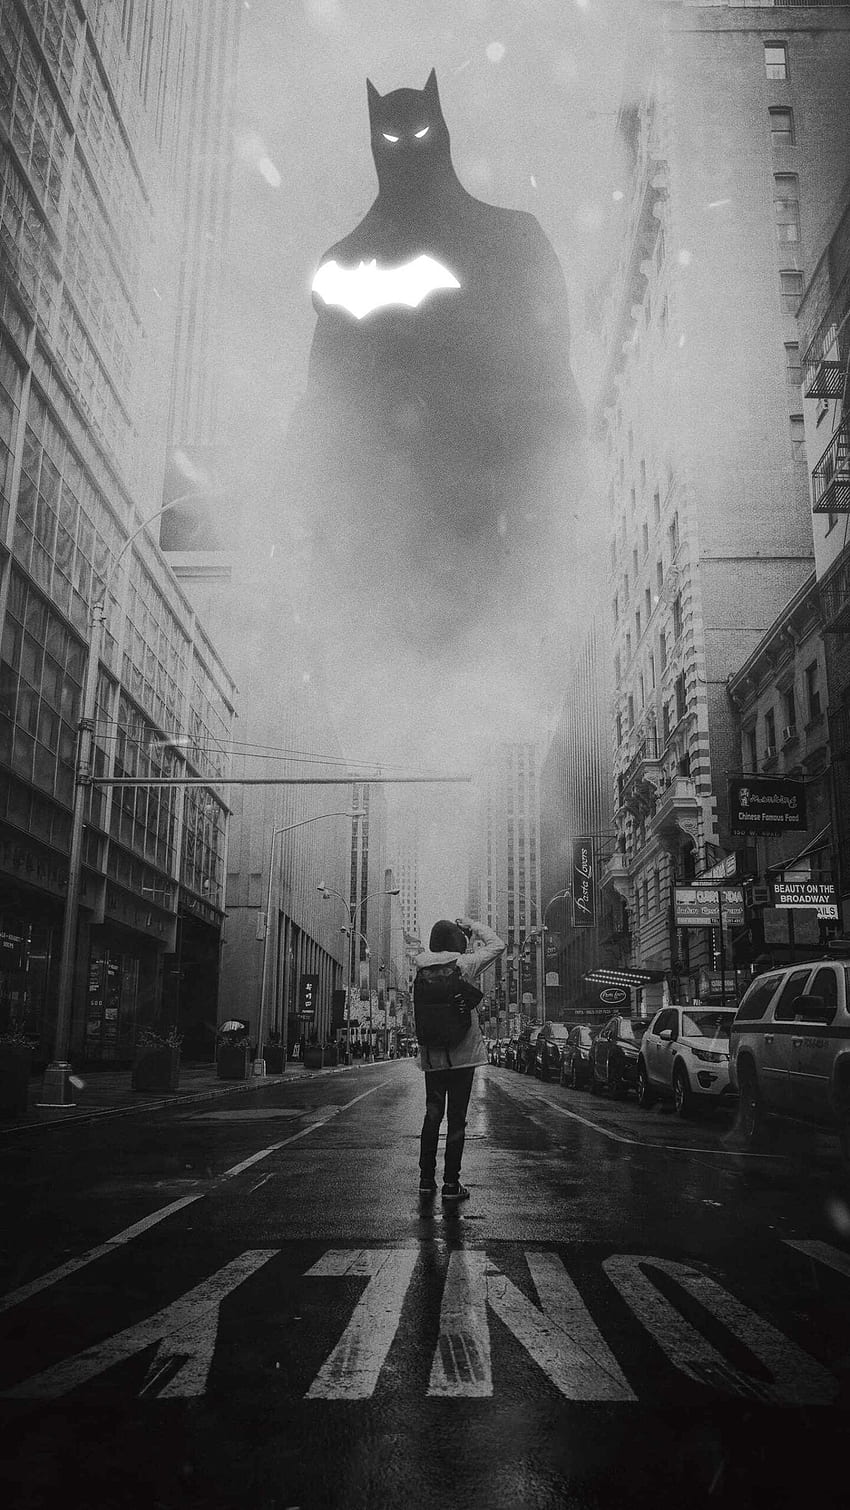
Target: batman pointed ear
<point>431,86</point>
<point>374,99</point>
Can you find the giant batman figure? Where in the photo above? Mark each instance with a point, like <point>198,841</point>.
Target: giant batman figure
<point>437,446</point>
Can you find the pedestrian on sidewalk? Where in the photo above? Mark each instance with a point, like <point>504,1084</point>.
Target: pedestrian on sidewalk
<point>449,1067</point>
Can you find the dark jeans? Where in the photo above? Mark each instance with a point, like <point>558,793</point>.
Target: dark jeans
<point>453,1086</point>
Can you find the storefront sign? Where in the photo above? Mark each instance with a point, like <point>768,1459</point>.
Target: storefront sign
<point>308,991</point>
<point>583,890</point>
<point>700,906</point>
<point>818,894</point>
<point>766,805</point>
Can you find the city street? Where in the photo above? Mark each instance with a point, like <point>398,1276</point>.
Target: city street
<point>239,1303</point>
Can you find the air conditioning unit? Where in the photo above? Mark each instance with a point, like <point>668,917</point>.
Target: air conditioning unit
<point>788,733</point>
<point>770,753</point>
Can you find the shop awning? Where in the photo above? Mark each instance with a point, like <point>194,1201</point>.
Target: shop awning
<point>630,977</point>
<point>814,847</point>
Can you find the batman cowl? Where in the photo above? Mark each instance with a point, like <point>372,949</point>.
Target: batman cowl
<point>440,426</point>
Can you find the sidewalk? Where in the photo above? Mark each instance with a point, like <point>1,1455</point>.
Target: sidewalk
<point>108,1093</point>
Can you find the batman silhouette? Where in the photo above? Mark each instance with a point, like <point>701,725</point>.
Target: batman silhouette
<point>438,444</point>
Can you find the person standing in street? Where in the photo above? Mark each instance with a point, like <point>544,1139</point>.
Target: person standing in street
<point>449,1067</point>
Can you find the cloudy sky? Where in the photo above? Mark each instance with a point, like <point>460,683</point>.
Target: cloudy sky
<point>530,90</point>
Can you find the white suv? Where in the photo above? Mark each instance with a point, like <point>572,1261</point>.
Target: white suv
<point>684,1053</point>
<point>790,1048</point>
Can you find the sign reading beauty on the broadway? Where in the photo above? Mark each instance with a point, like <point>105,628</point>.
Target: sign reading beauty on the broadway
<point>583,892</point>
<point>819,894</point>
<point>766,804</point>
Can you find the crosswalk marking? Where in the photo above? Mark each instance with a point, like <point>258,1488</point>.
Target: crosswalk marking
<point>824,1253</point>
<point>795,1377</point>
<point>185,1331</point>
<point>462,1359</point>
<point>561,1337</point>
<point>350,1372</point>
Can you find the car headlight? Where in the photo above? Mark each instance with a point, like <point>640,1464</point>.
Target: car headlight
<point>708,1056</point>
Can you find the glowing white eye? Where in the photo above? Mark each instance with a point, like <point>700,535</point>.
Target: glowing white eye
<point>388,138</point>
<point>423,132</point>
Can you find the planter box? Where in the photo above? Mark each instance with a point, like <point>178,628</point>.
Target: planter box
<point>273,1054</point>
<point>233,1062</point>
<point>156,1070</point>
<point>316,1057</point>
<point>15,1066</point>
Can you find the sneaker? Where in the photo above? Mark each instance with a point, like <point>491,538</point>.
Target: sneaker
<point>454,1194</point>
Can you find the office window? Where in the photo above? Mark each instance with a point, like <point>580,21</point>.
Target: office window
<point>635,562</point>
<point>776,60</point>
<point>642,473</point>
<point>631,711</point>
<point>619,729</point>
<point>781,126</point>
<point>789,708</point>
<point>633,497</point>
<point>642,692</point>
<point>678,619</point>
<point>662,649</point>
<point>644,537</point>
<point>617,668</point>
<point>615,605</point>
<point>790,289</point>
<point>681,696</point>
<point>652,671</point>
<point>628,648</point>
<point>673,534</point>
<point>659,574</point>
<point>770,733</point>
<point>656,507</point>
<point>813,692</point>
<point>786,207</point>
<point>798,437</point>
<point>637,624</point>
<point>665,722</point>
<point>793,369</point>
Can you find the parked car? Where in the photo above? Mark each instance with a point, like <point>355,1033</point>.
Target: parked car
<point>509,1053</point>
<point>684,1054</point>
<point>790,1049</point>
<point>614,1055</point>
<point>525,1050</point>
<point>575,1058</point>
<point>551,1041</point>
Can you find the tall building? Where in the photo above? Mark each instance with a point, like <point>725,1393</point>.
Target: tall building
<point>731,146</point>
<point>406,846</point>
<point>100,141</point>
<point>824,322</point>
<point>504,880</point>
<point>576,808</point>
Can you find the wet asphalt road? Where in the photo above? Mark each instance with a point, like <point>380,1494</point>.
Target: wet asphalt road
<point>629,1311</point>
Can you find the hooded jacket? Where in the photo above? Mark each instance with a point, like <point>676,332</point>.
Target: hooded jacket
<point>484,947</point>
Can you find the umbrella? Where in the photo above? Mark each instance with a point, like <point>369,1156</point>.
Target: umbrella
<point>232,1026</point>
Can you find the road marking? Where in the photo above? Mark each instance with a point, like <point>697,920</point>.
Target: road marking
<point>15,1297</point>
<point>561,1336</point>
<point>350,1372</point>
<point>462,1359</point>
<point>795,1377</point>
<point>824,1253</point>
<point>185,1332</point>
<point>264,1153</point>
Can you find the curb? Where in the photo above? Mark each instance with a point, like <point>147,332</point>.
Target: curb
<point>130,1109</point>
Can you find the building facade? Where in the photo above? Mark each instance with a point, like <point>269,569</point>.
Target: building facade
<point>736,141</point>
<point>824,324</point>
<point>96,104</point>
<point>504,881</point>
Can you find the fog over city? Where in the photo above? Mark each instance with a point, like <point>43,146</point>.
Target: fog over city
<point>530,94</point>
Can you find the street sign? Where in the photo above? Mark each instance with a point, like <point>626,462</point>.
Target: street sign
<point>819,894</point>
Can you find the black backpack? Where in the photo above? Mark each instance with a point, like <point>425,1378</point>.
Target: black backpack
<point>440,1013</point>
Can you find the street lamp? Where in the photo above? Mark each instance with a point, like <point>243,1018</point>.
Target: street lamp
<point>352,909</point>
<point>55,1083</point>
<point>259,1061</point>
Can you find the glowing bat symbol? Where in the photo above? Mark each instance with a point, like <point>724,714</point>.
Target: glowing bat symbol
<point>367,287</point>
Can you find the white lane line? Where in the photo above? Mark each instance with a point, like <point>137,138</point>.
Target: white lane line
<point>186,1332</point>
<point>255,1158</point>
<point>795,1377</point>
<point>824,1253</point>
<point>350,1372</point>
<point>561,1337</point>
<point>607,1132</point>
<point>16,1297</point>
<point>461,1364</point>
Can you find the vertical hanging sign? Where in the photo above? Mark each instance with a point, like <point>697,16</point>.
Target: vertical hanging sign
<point>583,885</point>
